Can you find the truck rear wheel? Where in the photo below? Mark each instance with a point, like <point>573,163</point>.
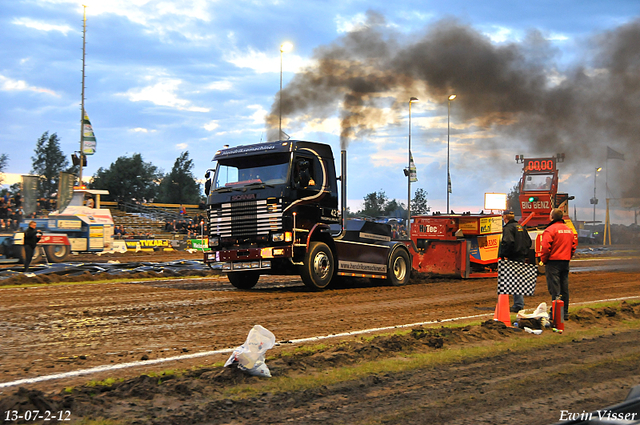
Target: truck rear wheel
<point>57,253</point>
<point>318,267</point>
<point>243,280</point>
<point>399,269</point>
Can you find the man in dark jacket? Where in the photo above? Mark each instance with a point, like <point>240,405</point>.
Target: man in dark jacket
<point>559,243</point>
<point>31,238</point>
<point>514,246</point>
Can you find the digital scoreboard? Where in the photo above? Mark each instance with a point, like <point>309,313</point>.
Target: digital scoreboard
<point>540,164</point>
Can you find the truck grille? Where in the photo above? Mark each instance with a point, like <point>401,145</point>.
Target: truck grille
<point>244,219</point>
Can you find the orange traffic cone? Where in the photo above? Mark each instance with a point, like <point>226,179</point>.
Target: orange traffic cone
<point>502,312</point>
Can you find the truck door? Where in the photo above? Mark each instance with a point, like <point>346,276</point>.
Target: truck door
<point>307,184</point>
<point>307,175</point>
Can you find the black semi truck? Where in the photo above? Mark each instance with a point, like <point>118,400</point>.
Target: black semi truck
<point>273,209</point>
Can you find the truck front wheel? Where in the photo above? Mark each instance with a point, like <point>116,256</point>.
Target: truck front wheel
<point>399,269</point>
<point>243,280</point>
<point>318,267</point>
<point>18,252</point>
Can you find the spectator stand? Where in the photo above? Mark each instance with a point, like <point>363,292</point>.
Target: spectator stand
<point>154,220</point>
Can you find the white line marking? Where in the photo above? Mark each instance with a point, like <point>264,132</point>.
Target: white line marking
<point>107,368</point>
<point>111,367</point>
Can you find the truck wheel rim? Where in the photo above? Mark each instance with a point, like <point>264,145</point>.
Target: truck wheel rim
<point>321,265</point>
<point>399,268</point>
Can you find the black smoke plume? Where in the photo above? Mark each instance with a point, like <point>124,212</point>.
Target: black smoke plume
<point>520,90</point>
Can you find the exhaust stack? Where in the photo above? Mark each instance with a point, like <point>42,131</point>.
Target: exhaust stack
<point>343,188</point>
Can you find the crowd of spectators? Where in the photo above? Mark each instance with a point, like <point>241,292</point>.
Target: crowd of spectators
<point>119,232</point>
<point>11,212</point>
<point>398,231</point>
<point>192,227</point>
<point>44,206</point>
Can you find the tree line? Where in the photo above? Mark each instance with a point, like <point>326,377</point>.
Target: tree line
<point>377,204</point>
<point>127,179</point>
<point>130,178</point>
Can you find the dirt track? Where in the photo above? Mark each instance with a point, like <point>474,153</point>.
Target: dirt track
<point>55,329</point>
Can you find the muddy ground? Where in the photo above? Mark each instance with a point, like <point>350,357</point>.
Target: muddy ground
<point>61,328</point>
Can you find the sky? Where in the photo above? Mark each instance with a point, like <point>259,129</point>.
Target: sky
<point>535,78</point>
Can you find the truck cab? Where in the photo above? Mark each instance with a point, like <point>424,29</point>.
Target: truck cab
<point>271,209</point>
<point>539,195</point>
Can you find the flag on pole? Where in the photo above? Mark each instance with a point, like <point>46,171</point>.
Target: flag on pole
<point>612,154</point>
<point>449,183</point>
<point>88,138</point>
<point>412,169</point>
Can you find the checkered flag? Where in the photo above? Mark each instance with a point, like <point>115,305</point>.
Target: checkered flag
<point>516,278</point>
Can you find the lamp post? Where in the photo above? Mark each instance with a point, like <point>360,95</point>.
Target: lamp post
<point>411,100</point>
<point>284,47</point>
<point>594,201</point>
<point>451,97</point>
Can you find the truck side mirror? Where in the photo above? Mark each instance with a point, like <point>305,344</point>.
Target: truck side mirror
<point>207,182</point>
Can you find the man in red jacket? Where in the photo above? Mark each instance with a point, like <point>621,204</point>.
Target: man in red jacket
<point>559,243</point>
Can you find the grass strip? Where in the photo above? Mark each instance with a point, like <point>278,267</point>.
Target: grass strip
<point>410,362</point>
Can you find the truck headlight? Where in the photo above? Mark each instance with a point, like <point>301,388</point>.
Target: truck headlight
<point>215,241</point>
<point>282,237</point>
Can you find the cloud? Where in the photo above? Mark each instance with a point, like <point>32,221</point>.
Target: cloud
<point>182,146</point>
<point>42,26</point>
<point>259,115</point>
<point>500,34</point>
<point>255,60</point>
<point>160,17</point>
<point>163,93</point>
<point>9,84</point>
<point>142,130</point>
<point>211,125</point>
<point>220,86</point>
<point>557,37</point>
<point>354,23</point>
<point>262,63</point>
<point>361,22</point>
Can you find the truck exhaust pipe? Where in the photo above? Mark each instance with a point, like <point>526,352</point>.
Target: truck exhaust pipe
<point>343,189</point>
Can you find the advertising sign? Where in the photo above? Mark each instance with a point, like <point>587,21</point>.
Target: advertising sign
<point>199,244</point>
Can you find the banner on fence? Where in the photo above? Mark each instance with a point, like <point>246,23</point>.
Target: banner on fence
<point>148,245</point>
<point>199,244</point>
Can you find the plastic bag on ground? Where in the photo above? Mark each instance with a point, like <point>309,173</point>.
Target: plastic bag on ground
<point>250,355</point>
<point>539,313</point>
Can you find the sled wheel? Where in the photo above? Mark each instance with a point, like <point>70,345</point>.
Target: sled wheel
<point>57,253</point>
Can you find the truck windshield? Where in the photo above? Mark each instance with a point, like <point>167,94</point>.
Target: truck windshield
<point>537,182</point>
<point>265,169</point>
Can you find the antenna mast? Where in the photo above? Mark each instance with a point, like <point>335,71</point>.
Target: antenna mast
<point>84,35</point>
